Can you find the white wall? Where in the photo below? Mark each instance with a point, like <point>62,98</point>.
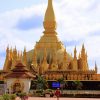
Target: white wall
<point>26,82</point>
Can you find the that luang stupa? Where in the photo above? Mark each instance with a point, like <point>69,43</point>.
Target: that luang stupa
<point>49,57</point>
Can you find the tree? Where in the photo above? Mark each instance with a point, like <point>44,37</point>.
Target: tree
<point>62,82</point>
<point>41,83</point>
<point>78,85</point>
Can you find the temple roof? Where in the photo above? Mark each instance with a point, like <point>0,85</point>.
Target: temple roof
<point>19,71</point>
<point>20,67</point>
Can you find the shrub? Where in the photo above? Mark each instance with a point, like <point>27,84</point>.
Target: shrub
<point>22,94</point>
<point>6,97</point>
<point>13,96</point>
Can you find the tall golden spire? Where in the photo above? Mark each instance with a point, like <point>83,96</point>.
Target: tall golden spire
<point>44,63</point>
<point>7,52</point>
<point>49,15</point>
<point>7,59</point>
<point>11,54</point>
<point>75,51</point>
<point>83,52</point>
<point>64,67</point>
<point>49,19</point>
<point>96,69</point>
<point>24,56</point>
<point>75,65</point>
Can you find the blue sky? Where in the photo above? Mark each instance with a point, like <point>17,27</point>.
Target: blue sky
<point>78,22</point>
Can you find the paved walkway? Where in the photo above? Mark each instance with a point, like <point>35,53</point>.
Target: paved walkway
<point>41,98</point>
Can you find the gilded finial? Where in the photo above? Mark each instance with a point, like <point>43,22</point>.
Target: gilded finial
<point>49,19</point>
<point>49,15</point>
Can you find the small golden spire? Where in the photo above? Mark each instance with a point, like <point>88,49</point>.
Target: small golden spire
<point>75,51</point>
<point>83,46</point>
<point>18,55</point>
<point>7,59</point>
<point>15,53</point>
<point>7,52</point>
<point>44,63</point>
<point>83,56</point>
<point>96,69</point>
<point>11,55</point>
<point>24,56</point>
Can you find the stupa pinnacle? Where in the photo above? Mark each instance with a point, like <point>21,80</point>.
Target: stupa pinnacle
<point>49,19</point>
<point>49,15</point>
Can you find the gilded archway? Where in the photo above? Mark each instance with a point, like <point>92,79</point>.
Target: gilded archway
<point>17,86</point>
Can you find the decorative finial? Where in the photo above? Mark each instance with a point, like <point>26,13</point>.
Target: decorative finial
<point>49,15</point>
<point>49,19</point>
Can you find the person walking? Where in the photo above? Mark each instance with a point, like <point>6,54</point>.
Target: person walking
<point>58,93</point>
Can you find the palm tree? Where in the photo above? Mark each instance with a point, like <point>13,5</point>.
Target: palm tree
<point>41,83</point>
<point>62,83</point>
<point>78,85</point>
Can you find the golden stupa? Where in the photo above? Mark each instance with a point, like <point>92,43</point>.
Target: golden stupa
<point>49,56</point>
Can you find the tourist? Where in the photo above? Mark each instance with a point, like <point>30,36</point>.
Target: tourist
<point>58,93</point>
